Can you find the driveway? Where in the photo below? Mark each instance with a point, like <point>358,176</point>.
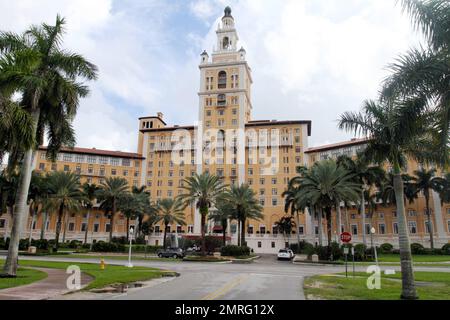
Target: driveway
<point>265,279</point>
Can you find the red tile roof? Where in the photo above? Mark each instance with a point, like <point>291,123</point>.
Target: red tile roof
<point>97,152</point>
<point>353,142</point>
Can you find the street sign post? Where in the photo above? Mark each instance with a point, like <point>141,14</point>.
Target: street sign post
<point>353,255</point>
<point>146,243</point>
<point>346,252</point>
<point>346,237</point>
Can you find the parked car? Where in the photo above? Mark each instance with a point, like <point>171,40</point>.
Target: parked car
<point>175,253</point>
<point>285,254</point>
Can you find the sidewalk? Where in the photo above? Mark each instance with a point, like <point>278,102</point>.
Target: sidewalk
<point>52,286</point>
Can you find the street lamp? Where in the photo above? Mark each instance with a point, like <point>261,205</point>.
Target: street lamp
<point>372,232</point>
<point>130,234</point>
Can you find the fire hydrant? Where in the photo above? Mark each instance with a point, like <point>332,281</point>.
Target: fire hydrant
<point>102,264</point>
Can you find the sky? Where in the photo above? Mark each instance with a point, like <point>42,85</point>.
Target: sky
<point>311,59</point>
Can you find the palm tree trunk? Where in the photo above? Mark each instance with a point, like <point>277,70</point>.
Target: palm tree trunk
<point>320,227</point>
<point>111,221</point>
<point>329,227</point>
<point>87,226</point>
<point>128,229</point>
<point>204,213</point>
<point>363,215</point>
<point>239,233</point>
<point>165,237</point>
<point>347,221</point>
<point>298,231</point>
<point>430,225</point>
<point>66,219</point>
<point>58,227</point>
<point>10,268</point>
<point>33,217</point>
<point>408,285</point>
<point>338,220</point>
<point>243,233</point>
<point>44,224</point>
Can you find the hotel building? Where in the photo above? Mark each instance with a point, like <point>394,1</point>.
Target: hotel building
<point>226,142</point>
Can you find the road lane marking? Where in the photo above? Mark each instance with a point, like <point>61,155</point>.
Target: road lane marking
<point>225,289</point>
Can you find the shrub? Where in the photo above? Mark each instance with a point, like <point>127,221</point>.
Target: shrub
<point>74,244</point>
<point>417,248</point>
<point>23,244</point>
<point>3,244</point>
<point>102,246</point>
<point>360,252</point>
<point>336,251</point>
<point>40,244</point>
<point>386,248</point>
<point>303,247</point>
<point>119,240</point>
<point>212,243</point>
<point>235,251</point>
<point>446,249</point>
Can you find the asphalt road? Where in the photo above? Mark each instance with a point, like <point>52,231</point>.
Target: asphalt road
<point>265,279</point>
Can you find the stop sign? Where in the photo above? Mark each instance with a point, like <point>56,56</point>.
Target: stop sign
<point>346,237</point>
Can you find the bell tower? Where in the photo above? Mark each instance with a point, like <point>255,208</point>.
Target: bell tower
<point>224,104</point>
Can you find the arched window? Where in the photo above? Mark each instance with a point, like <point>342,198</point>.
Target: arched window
<point>226,43</point>
<point>222,80</point>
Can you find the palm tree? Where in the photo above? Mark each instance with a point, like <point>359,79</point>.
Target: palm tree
<point>426,181</point>
<point>242,200</point>
<point>34,65</point>
<point>203,191</point>
<point>285,226</point>
<point>293,204</point>
<point>38,196</point>
<point>222,214</point>
<point>366,175</point>
<point>109,193</point>
<point>89,194</point>
<point>64,196</point>
<point>146,208</point>
<point>16,126</point>
<point>325,185</point>
<point>444,192</point>
<point>425,72</point>
<point>170,211</point>
<point>396,129</point>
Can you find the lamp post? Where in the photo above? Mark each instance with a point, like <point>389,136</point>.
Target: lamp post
<point>372,232</point>
<point>131,231</point>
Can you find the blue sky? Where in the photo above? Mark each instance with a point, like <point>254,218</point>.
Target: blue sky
<point>311,59</point>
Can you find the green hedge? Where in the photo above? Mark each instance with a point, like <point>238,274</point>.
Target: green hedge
<point>235,251</point>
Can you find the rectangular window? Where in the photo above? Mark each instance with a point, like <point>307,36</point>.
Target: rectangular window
<point>104,160</point>
<point>316,230</point>
<point>259,244</point>
<point>107,227</point>
<point>412,227</point>
<point>382,228</point>
<point>190,229</point>
<point>273,244</point>
<point>42,166</point>
<point>83,227</point>
<point>368,227</point>
<point>67,157</point>
<point>96,227</point>
<point>274,202</point>
<point>91,159</point>
<point>395,228</point>
<point>262,229</point>
<point>79,158</point>
<point>54,167</point>
<point>301,230</point>
<point>126,162</point>
<point>66,168</point>
<point>115,162</point>
<point>354,229</point>
<point>71,226</point>
<point>2,223</point>
<point>427,227</point>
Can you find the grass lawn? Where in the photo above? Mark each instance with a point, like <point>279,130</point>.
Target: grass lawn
<point>416,258</point>
<point>24,277</point>
<point>111,275</point>
<point>430,286</point>
<point>116,257</point>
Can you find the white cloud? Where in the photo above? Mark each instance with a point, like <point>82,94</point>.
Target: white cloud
<point>310,59</point>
